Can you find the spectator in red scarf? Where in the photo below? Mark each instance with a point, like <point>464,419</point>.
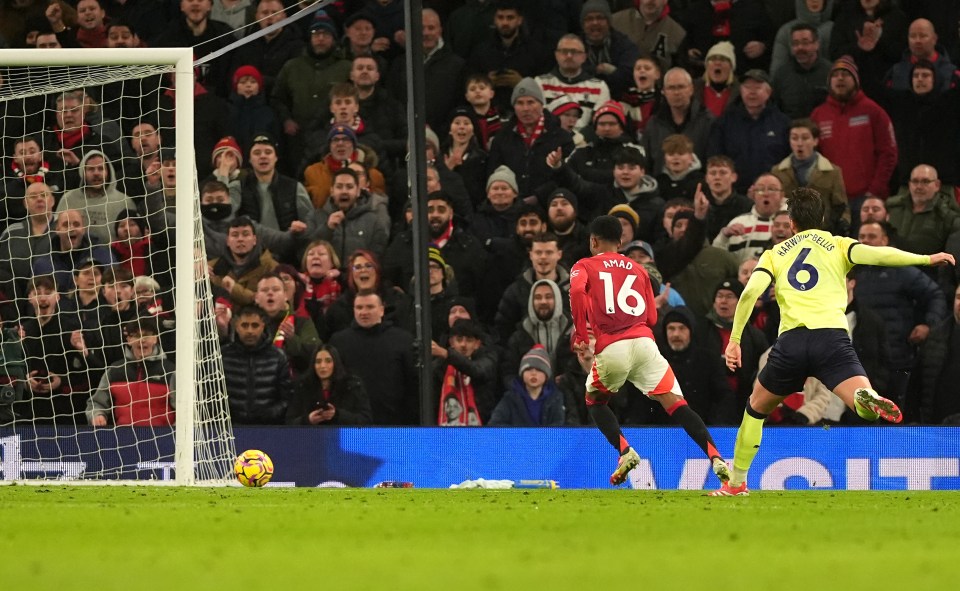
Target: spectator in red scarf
<point>467,373</point>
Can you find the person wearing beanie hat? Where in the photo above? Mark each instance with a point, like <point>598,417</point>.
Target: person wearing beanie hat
<point>341,130</point>
<point>613,108</point>
<point>227,146</point>
<point>570,77</point>
<point>572,235</point>
<point>629,220</point>
<point>610,53</point>
<point>505,175</point>
<point>867,154</point>
<point>322,23</point>
<point>527,87</point>
<point>719,84</point>
<point>565,105</point>
<point>625,349</point>
<point>568,112</point>
<point>595,161</point>
<point>434,255</point>
<point>678,316</point>
<point>536,358</point>
<point>699,371</point>
<point>731,285</point>
<point>723,51</point>
<point>433,141</point>
<point>845,62</point>
<point>524,141</point>
<point>249,113</point>
<point>716,332</point>
<point>532,399</point>
<point>247,81</point>
<point>302,86</point>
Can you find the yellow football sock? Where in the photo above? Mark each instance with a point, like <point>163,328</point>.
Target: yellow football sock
<point>747,445</point>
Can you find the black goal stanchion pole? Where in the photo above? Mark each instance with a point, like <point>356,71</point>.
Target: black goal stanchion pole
<point>417,179</point>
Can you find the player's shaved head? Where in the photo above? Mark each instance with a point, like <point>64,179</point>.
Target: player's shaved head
<point>806,209</point>
<point>606,228</point>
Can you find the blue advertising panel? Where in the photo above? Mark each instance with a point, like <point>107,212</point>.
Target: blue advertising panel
<point>868,458</point>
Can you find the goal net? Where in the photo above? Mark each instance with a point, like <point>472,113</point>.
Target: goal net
<point>111,367</point>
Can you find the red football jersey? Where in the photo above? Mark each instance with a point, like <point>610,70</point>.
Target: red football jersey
<point>612,293</point>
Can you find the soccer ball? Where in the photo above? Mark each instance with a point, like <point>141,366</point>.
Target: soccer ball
<point>253,468</point>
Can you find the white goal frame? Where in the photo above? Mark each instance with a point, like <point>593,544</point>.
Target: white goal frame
<point>181,59</point>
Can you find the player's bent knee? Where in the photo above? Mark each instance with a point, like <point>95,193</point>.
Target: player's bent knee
<point>595,398</point>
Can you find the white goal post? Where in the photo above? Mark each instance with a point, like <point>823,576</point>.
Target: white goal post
<point>204,446</point>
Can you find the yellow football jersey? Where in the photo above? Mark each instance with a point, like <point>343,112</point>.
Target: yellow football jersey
<point>809,271</point>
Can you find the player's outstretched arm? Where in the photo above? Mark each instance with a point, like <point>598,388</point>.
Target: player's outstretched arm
<point>888,256</point>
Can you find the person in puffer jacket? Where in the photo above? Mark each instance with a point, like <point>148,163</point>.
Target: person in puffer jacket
<point>140,389</point>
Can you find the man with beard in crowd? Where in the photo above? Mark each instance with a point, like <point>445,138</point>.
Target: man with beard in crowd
<point>459,248</point>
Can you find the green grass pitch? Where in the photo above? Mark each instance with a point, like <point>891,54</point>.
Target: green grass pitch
<point>103,538</point>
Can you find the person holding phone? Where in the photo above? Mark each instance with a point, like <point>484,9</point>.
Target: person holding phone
<point>329,394</point>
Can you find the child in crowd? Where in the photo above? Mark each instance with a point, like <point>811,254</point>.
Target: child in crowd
<point>533,399</point>
<point>641,99</point>
<point>568,111</point>
<point>681,168</point>
<point>132,245</point>
<point>250,114</point>
<point>138,390</point>
<point>479,94</point>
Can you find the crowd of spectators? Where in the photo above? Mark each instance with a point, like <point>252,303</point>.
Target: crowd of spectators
<point>690,120</point>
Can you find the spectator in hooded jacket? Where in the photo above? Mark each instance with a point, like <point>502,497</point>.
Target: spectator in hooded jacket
<point>545,323</point>
<point>98,196</point>
<point>701,375</point>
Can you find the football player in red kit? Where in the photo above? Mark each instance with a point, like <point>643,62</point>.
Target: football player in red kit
<point>613,295</point>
